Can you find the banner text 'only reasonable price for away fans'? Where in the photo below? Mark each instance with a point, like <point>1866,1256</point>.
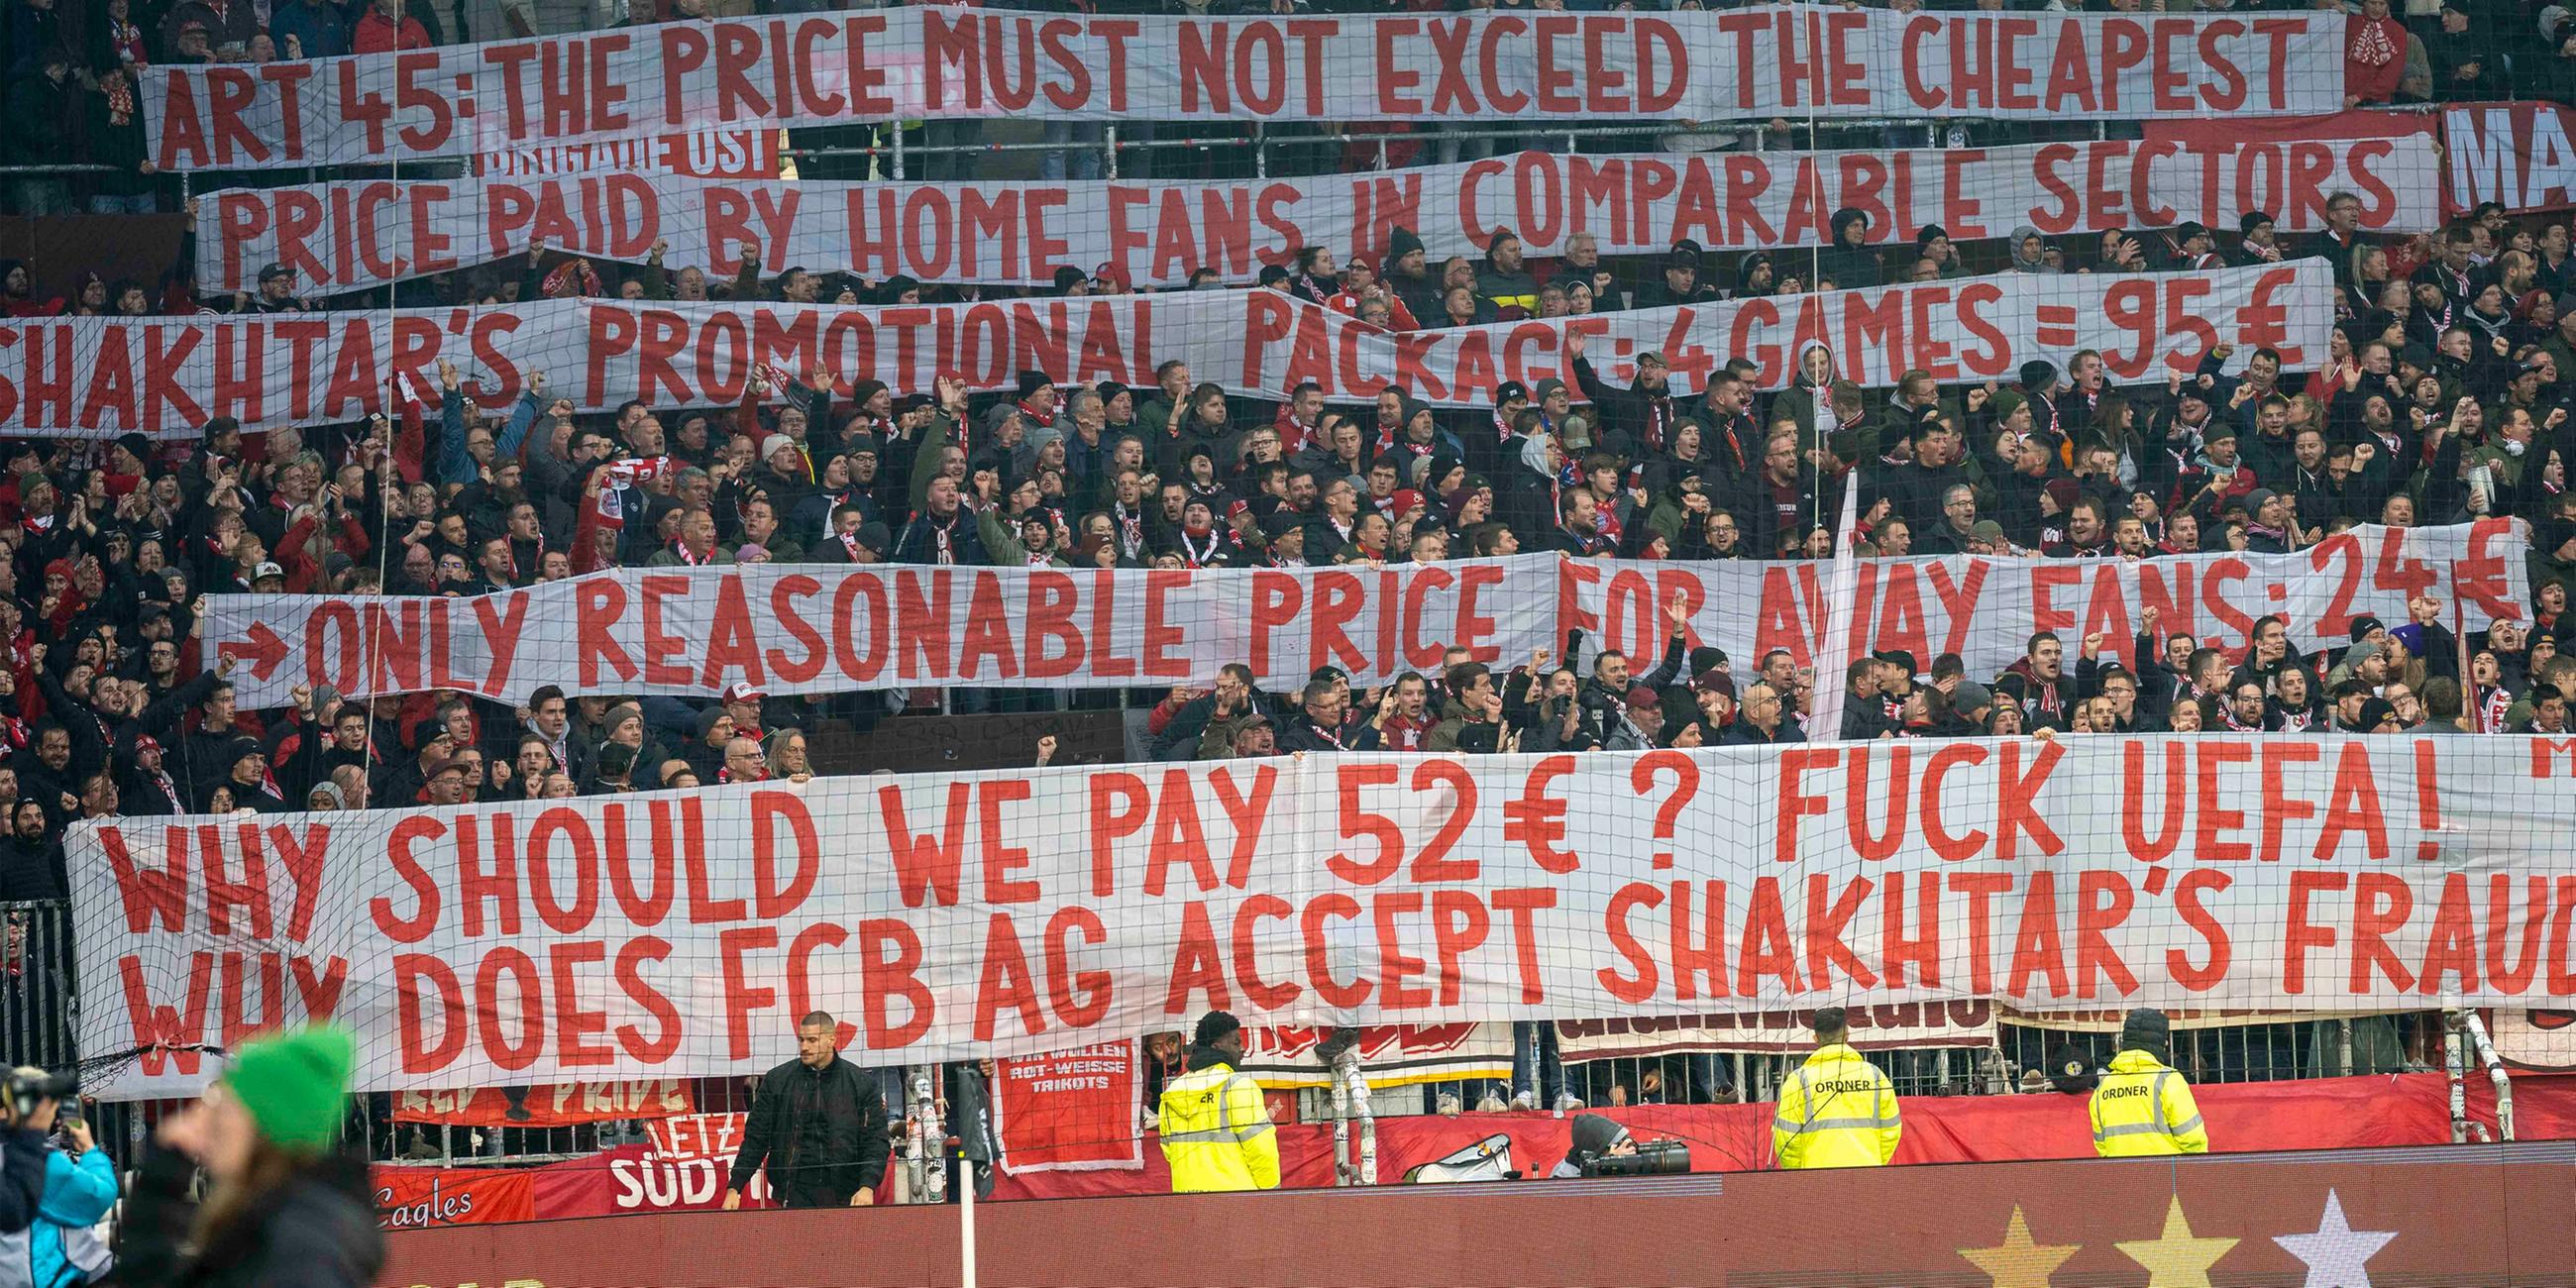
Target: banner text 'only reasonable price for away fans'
<point>815,628</point>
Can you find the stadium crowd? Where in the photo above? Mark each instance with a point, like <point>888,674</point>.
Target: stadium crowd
<point>2445,397</point>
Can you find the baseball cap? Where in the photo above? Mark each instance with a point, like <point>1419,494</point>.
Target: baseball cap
<point>267,570</point>
<point>743,691</point>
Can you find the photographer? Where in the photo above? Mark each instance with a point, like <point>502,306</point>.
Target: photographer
<point>1595,1137</point>
<point>26,1115</point>
<point>63,1248</point>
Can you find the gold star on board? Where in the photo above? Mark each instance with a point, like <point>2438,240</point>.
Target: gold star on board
<point>2177,1258</point>
<point>2018,1262</point>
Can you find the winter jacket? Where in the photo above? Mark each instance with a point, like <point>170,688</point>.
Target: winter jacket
<point>22,1176</point>
<point>921,544</point>
<point>1216,1129</point>
<point>1301,733</point>
<point>1642,416</point>
<point>2142,1109</point>
<point>854,1130</point>
<point>318,1230</point>
<point>1185,736</point>
<point>63,1245</point>
<point>2043,702</point>
<point>1837,1110</point>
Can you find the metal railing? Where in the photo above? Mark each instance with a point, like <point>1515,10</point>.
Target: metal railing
<point>2474,1028</point>
<point>39,1013</point>
<point>36,999</point>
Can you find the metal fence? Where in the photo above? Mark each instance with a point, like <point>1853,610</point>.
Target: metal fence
<point>36,984</point>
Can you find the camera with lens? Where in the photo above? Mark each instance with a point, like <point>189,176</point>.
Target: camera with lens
<point>29,1088</point>
<point>1653,1158</point>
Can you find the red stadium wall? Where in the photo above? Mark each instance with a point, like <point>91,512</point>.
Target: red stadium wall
<point>2465,1217</point>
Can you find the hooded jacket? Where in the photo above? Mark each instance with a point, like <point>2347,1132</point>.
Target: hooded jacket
<point>2034,264</point>
<point>930,539</point>
<point>1588,1136</point>
<point>1847,266</point>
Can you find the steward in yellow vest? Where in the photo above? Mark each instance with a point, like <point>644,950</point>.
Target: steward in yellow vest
<point>1216,1130</point>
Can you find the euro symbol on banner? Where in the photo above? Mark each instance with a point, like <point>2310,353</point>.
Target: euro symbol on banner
<point>264,651</point>
<point>1537,819</point>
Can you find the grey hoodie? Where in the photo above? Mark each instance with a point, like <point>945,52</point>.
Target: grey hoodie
<point>2031,265</point>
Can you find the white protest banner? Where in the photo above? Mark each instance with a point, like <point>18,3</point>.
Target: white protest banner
<point>2111,1019</point>
<point>946,917</point>
<point>2520,155</point>
<point>2537,1041</point>
<point>1395,1055</point>
<point>819,628</point>
<point>1986,610</point>
<point>916,62</point>
<point>360,233</point>
<point>99,376</point>
<point>826,628</point>
<point>1966,1022</point>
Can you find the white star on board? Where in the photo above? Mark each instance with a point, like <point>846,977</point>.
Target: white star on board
<point>2335,1253</point>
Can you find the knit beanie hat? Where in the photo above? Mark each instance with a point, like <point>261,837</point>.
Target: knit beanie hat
<point>294,1084</point>
<point>2146,1029</point>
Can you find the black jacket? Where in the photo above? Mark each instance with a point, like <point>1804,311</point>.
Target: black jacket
<point>854,1124</point>
<point>318,1231</point>
<point>1180,737</point>
<point>1300,733</point>
<point>22,1177</point>
<point>1744,733</point>
<point>919,543</point>
<point>1645,417</point>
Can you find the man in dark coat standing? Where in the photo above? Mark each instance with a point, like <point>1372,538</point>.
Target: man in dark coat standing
<point>819,1123</point>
